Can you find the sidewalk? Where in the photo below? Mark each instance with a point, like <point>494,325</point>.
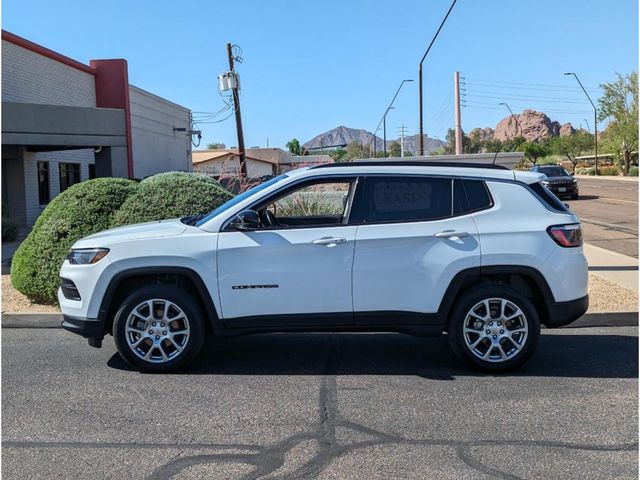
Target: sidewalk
<point>613,266</point>
<point>609,177</point>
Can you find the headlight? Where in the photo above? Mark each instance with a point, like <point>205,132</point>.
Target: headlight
<point>86,256</point>
<point>545,183</point>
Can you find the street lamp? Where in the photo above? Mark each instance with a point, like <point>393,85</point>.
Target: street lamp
<point>420,74</point>
<point>383,119</point>
<point>384,129</point>
<point>595,121</point>
<point>514,117</point>
<point>587,122</point>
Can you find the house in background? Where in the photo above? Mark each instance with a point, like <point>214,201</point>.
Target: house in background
<point>64,122</point>
<point>260,161</point>
<point>296,161</point>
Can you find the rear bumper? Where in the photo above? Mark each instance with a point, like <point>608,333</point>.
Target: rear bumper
<point>91,328</point>
<point>563,313</point>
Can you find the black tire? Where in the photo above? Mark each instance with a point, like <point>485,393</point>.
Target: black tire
<point>192,342</point>
<point>458,339</point>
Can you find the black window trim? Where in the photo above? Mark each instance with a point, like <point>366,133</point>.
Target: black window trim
<point>354,180</point>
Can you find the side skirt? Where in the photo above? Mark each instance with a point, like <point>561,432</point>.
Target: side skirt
<point>411,323</point>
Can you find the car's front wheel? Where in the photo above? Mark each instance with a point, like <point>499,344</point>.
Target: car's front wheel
<point>158,328</point>
<point>494,328</point>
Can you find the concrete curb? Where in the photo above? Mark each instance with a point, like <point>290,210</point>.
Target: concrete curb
<point>31,320</point>
<point>54,320</point>
<point>610,177</point>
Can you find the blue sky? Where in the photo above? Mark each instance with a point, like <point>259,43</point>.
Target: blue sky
<point>310,66</point>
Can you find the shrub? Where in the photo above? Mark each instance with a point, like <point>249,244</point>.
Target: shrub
<point>633,172</point>
<point>81,210</point>
<point>612,170</point>
<point>171,195</point>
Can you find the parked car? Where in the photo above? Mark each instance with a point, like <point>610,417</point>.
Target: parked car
<point>482,253</point>
<point>559,180</point>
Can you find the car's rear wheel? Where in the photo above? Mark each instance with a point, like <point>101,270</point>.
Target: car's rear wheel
<point>158,328</point>
<point>494,328</point>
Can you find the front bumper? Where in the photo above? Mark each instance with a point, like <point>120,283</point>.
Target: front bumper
<point>90,328</point>
<point>569,189</point>
<point>563,313</point>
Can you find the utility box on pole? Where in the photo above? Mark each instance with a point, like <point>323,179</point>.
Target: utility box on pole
<point>458,126</point>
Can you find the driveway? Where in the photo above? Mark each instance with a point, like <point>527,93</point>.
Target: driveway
<point>321,406</point>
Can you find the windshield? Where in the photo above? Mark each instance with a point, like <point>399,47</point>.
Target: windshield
<point>554,171</point>
<point>237,199</point>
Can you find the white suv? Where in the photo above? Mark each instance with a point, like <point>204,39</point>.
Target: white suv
<point>483,253</point>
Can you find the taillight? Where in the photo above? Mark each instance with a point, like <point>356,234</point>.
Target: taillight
<point>566,235</point>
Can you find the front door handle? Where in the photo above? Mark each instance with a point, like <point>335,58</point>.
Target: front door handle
<point>451,234</point>
<point>329,241</point>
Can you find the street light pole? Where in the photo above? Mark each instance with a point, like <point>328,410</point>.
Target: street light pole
<point>421,139</point>
<point>384,129</point>
<point>382,120</point>
<point>587,122</point>
<point>595,121</point>
<point>514,117</point>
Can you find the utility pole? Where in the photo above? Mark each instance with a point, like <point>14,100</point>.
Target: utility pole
<point>402,130</point>
<point>236,104</point>
<point>420,76</point>
<point>458,127</point>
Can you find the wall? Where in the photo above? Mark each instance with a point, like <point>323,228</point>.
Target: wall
<point>29,77</point>
<point>33,78</point>
<point>156,147</point>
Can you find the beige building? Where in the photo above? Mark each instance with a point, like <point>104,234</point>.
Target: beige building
<point>260,161</point>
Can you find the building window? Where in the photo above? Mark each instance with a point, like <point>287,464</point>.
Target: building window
<point>92,171</point>
<point>43,183</point>
<point>69,175</point>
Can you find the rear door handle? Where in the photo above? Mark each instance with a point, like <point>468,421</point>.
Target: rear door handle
<point>451,234</point>
<point>329,241</point>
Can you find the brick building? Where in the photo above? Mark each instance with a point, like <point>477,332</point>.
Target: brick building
<point>64,122</point>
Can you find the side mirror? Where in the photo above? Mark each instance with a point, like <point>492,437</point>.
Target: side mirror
<point>246,220</point>
<point>572,174</point>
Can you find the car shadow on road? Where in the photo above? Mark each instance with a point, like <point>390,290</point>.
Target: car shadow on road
<point>558,355</point>
<point>587,197</point>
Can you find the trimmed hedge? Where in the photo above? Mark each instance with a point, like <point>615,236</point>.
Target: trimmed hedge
<point>633,172</point>
<point>81,210</point>
<point>171,195</point>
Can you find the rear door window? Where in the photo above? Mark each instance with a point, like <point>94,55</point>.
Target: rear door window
<point>407,199</point>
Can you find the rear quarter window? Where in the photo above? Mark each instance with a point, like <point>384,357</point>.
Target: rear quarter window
<point>547,197</point>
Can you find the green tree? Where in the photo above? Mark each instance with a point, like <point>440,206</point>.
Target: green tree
<point>493,146</point>
<point>394,149</point>
<point>216,146</point>
<point>294,147</point>
<point>619,104</point>
<point>571,146</point>
<point>533,151</point>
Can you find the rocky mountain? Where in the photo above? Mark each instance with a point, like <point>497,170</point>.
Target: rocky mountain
<point>344,135</point>
<point>532,125</point>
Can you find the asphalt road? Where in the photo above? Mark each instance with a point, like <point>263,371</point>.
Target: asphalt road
<point>321,406</point>
<point>608,210</point>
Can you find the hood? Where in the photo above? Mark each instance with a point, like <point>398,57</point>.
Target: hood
<point>162,228</point>
<point>561,178</point>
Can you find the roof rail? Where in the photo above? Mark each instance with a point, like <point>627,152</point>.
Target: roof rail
<point>414,163</point>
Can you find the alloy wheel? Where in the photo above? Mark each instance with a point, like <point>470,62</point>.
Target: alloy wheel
<point>495,330</point>
<point>157,330</point>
